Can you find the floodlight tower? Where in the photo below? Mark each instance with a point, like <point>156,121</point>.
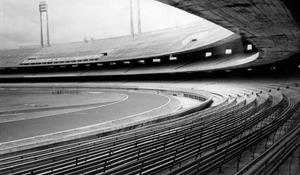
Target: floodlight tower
<point>43,8</point>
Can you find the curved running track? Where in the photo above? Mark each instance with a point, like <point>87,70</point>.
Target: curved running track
<point>136,103</point>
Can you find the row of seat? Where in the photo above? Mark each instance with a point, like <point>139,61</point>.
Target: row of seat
<point>62,60</point>
<point>193,143</point>
<point>276,155</point>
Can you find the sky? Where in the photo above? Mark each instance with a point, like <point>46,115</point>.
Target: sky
<point>74,20</point>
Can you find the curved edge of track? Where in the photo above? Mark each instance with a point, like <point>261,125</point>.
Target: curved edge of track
<point>51,138</point>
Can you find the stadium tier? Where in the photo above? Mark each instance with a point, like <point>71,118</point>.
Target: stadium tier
<point>152,44</point>
<point>245,117</point>
<point>194,49</point>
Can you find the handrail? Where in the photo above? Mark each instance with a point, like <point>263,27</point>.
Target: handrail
<point>257,165</point>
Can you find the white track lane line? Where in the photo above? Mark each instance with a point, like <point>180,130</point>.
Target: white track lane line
<point>4,115</point>
<point>169,100</point>
<point>78,110</point>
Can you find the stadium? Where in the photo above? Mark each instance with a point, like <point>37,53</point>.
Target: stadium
<point>219,98</point>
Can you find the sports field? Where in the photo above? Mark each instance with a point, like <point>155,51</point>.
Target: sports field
<point>30,112</point>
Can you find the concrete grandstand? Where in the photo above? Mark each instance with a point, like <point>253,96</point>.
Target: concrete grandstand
<point>188,100</point>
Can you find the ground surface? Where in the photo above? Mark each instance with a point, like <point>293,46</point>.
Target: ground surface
<point>27,113</point>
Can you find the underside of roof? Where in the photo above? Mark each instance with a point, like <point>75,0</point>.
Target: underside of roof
<point>268,24</point>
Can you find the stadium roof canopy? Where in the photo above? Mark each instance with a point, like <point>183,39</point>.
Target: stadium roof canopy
<point>268,24</point>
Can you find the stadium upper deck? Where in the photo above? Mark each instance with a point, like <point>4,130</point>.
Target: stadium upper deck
<point>151,44</point>
<point>269,28</point>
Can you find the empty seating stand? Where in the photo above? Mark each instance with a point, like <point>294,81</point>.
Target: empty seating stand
<point>196,143</point>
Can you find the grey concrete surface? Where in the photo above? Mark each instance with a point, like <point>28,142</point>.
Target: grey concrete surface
<point>268,24</point>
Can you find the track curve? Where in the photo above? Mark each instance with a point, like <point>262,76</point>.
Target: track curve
<point>136,103</point>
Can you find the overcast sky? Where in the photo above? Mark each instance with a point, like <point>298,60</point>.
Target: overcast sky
<point>73,20</point>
